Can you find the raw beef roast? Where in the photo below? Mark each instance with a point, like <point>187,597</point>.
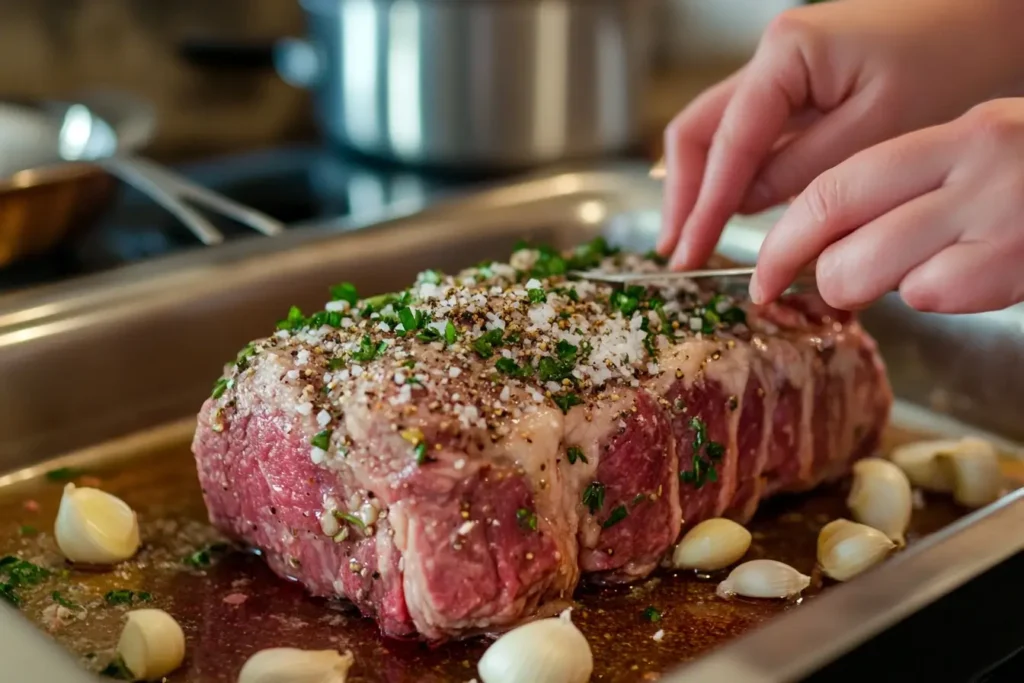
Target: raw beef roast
<point>454,457</point>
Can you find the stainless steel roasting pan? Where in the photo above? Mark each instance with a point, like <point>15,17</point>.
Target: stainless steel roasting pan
<point>96,371</point>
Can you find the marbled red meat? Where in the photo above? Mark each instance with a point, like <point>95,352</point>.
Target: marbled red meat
<point>462,477</point>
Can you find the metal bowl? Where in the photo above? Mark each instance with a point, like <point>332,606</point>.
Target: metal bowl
<point>44,200</point>
<point>41,207</point>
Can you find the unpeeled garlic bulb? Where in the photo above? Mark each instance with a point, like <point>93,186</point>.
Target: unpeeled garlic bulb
<point>973,467</point>
<point>544,651</point>
<point>763,579</point>
<point>712,544</point>
<point>881,497</point>
<point>152,644</point>
<point>846,548</point>
<point>290,665</point>
<point>95,527</point>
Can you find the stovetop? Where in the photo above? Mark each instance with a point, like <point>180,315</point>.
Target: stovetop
<point>296,185</point>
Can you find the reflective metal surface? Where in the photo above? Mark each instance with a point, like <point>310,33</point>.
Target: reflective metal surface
<point>475,83</point>
<point>135,348</point>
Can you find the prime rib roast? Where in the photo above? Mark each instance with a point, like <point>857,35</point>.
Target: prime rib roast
<point>454,457</point>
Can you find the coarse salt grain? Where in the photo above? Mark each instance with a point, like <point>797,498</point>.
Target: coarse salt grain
<point>399,377</point>
<point>659,636</point>
<point>323,418</point>
<point>460,463</point>
<point>466,527</point>
<point>454,372</point>
<point>292,374</point>
<point>317,455</point>
<point>304,408</point>
<point>302,357</point>
<point>336,306</point>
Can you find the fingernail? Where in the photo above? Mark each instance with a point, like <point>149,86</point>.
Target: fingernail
<point>680,258</point>
<point>756,295</point>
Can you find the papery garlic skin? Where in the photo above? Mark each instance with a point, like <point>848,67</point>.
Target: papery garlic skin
<point>713,544</point>
<point>845,548</point>
<point>152,644</point>
<point>291,665</point>
<point>974,469</point>
<point>95,527</point>
<point>919,462</point>
<point>763,579</point>
<point>543,651</point>
<point>881,497</point>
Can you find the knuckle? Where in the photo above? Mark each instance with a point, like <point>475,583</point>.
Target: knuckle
<point>786,26</point>
<point>991,123</point>
<point>821,198</point>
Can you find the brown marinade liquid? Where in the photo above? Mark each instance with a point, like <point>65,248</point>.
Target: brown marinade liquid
<point>236,606</point>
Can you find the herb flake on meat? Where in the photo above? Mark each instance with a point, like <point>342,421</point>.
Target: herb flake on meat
<point>322,440</point>
<point>527,519</point>
<point>345,291</point>
<point>706,454</point>
<point>593,496</point>
<point>574,453</point>
<point>618,514</point>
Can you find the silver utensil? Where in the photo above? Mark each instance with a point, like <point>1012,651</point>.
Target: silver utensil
<point>85,135</point>
<point>664,277</point>
<point>732,279</point>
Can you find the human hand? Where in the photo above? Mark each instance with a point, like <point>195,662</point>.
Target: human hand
<point>827,81</point>
<point>937,213</point>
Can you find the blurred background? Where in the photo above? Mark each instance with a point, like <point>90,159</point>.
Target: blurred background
<point>321,111</point>
<point>56,48</point>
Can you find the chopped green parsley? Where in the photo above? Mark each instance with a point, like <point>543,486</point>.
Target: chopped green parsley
<point>527,519</point>
<point>618,514</point>
<point>322,440</point>
<point>574,453</point>
<point>593,496</point>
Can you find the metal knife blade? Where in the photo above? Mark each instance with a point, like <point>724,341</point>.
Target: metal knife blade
<point>733,278</point>
<point>665,276</point>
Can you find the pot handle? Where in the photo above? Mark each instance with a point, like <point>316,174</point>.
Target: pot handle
<point>295,60</point>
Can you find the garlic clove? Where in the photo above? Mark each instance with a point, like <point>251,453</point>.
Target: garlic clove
<point>881,497</point>
<point>152,644</point>
<point>919,462</point>
<point>544,651</point>
<point>94,527</point>
<point>974,469</point>
<point>712,544</point>
<point>846,548</point>
<point>763,579</point>
<point>291,665</point>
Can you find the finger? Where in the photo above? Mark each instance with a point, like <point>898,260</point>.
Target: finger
<point>773,86</point>
<point>966,277</point>
<point>859,190</point>
<point>872,260</point>
<point>825,143</point>
<point>687,140</point>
